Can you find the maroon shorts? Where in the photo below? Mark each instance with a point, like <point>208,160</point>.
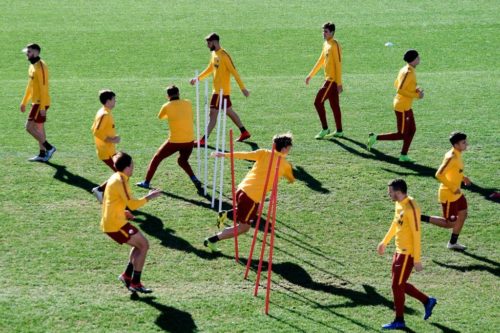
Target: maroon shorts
<point>123,235</point>
<point>35,115</point>
<point>451,209</point>
<point>246,208</point>
<point>214,102</point>
<point>109,162</point>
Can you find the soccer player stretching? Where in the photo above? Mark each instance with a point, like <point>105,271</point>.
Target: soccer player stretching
<point>406,227</point>
<point>250,190</point>
<point>406,92</point>
<point>222,66</point>
<point>331,60</point>
<point>179,114</point>
<point>117,197</point>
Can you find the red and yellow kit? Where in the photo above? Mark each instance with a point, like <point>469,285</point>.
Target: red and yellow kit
<point>222,66</point>
<point>330,59</point>
<point>450,174</point>
<point>117,198</point>
<point>103,127</point>
<point>253,183</point>
<point>406,88</point>
<point>406,228</point>
<point>179,115</point>
<point>37,89</point>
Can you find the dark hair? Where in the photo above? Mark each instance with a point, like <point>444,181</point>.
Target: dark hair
<point>398,185</point>
<point>122,160</point>
<point>105,95</point>
<point>410,55</point>
<point>212,36</point>
<point>172,91</point>
<point>33,46</point>
<point>329,26</point>
<point>456,137</point>
<point>282,141</point>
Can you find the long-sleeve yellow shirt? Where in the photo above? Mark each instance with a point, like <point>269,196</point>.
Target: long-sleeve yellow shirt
<point>450,174</point>
<point>253,183</point>
<point>38,85</point>
<point>103,127</point>
<point>179,115</point>
<point>406,228</point>
<point>222,67</point>
<point>331,60</point>
<point>117,198</point>
<point>406,88</point>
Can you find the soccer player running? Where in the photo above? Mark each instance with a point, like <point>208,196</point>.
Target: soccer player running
<point>406,91</point>
<point>105,137</point>
<point>249,192</point>
<point>114,221</point>
<point>37,91</point>
<point>179,114</point>
<point>406,228</point>
<point>331,60</point>
<point>221,66</point>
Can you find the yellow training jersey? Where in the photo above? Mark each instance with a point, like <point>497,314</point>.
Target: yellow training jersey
<point>103,127</point>
<point>222,66</point>
<point>406,88</point>
<point>38,85</point>
<point>451,175</point>
<point>253,183</point>
<point>179,115</point>
<point>406,228</point>
<point>331,60</point>
<point>117,198</point>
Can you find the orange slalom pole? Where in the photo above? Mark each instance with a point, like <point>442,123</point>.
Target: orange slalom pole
<point>261,206</point>
<point>269,216</point>
<point>271,248</point>
<point>235,212</point>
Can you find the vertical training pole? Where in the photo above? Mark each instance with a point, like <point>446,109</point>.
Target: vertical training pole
<point>223,149</point>
<point>271,245</point>
<point>259,215</point>
<point>198,122</point>
<point>206,138</point>
<point>214,184</point>
<point>233,192</point>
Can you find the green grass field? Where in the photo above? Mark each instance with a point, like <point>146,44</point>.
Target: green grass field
<point>59,271</point>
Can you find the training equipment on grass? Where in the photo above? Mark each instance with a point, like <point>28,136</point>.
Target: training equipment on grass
<point>223,149</point>
<point>198,158</point>
<point>206,139</point>
<point>221,116</point>
<point>233,195</point>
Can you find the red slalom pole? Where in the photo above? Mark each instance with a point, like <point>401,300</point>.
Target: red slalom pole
<point>261,206</point>
<point>270,210</point>
<point>235,227</point>
<point>271,248</point>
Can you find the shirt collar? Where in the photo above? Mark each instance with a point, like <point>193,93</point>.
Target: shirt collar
<point>124,176</point>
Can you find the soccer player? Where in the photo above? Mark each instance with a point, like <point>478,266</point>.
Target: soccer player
<point>406,227</point>
<point>179,114</point>
<point>221,66</point>
<point>114,221</point>
<point>105,137</point>
<point>406,91</point>
<point>450,175</point>
<point>331,60</point>
<point>37,91</point>
<point>250,190</point>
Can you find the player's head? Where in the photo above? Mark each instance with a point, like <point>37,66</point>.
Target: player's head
<point>123,163</point>
<point>107,98</point>
<point>212,41</point>
<point>283,142</point>
<point>459,140</point>
<point>412,57</point>
<point>328,30</point>
<point>32,50</point>
<point>397,189</point>
<point>172,92</point>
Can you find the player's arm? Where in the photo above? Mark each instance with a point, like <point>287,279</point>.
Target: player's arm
<point>441,172</point>
<point>406,85</point>
<point>316,67</point>
<point>413,220</point>
<point>337,62</point>
<point>124,194</point>
<point>289,173</point>
<point>43,85</point>
<point>206,72</point>
<point>101,129</point>
<point>240,155</point>
<point>27,95</point>
<point>230,66</point>
<point>387,238</point>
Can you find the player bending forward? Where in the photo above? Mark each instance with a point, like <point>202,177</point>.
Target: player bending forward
<point>249,192</point>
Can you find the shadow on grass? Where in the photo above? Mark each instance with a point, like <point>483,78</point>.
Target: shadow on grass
<point>62,174</point>
<point>253,145</point>
<point>418,169</point>
<point>170,318</point>
<point>301,174</point>
<point>205,203</point>
<point>444,329</point>
<point>476,267</point>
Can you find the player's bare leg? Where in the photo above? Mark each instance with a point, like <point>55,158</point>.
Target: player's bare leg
<point>229,231</point>
<point>234,117</point>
